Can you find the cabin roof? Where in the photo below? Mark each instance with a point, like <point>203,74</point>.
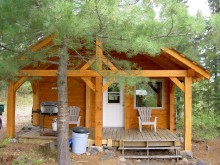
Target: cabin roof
<point>168,59</point>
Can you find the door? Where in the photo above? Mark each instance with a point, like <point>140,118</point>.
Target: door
<point>113,106</point>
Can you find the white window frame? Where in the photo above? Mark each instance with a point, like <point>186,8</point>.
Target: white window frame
<point>119,94</point>
<point>160,108</point>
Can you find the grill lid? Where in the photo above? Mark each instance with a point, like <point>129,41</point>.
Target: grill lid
<point>49,107</point>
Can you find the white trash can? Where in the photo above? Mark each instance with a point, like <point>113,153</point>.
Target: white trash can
<point>79,140</point>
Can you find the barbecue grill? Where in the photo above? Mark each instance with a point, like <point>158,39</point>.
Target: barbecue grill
<point>49,107</point>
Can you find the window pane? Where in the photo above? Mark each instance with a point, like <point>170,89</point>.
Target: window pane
<point>149,94</point>
<point>114,88</point>
<point>114,93</point>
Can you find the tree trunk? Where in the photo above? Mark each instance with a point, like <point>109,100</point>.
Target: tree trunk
<point>63,155</point>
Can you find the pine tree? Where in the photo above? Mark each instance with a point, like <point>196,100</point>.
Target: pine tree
<point>125,26</point>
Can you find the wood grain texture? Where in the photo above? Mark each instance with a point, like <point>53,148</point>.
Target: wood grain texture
<point>188,114</point>
<point>11,110</point>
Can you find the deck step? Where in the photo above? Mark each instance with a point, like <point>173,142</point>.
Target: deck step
<point>154,156</point>
<point>147,148</point>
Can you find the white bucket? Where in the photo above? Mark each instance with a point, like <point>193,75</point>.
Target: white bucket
<point>79,142</point>
<point>54,124</point>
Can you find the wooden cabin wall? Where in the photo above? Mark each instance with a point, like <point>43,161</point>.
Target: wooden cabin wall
<point>131,113</point>
<point>76,96</point>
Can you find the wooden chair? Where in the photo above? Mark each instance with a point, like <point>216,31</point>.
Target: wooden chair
<point>74,115</point>
<point>144,118</point>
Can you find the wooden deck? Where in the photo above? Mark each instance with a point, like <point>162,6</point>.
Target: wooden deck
<point>114,136</point>
<point>125,140</point>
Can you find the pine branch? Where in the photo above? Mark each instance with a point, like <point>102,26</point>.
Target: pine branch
<point>171,25</point>
<point>173,35</point>
<point>9,49</point>
<point>99,17</point>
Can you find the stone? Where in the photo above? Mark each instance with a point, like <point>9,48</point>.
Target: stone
<point>186,154</point>
<point>110,148</point>
<point>93,151</point>
<point>173,161</point>
<point>122,159</point>
<point>97,148</point>
<point>19,159</point>
<point>13,140</point>
<point>185,161</point>
<point>200,162</point>
<point>108,155</point>
<point>88,154</point>
<point>138,160</point>
<point>181,139</point>
<point>208,148</point>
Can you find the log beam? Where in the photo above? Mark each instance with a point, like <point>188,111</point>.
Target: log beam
<point>19,83</point>
<point>88,105</point>
<point>188,114</point>
<point>98,96</point>
<point>172,108</point>
<point>185,61</point>
<point>36,103</point>
<point>178,83</point>
<point>11,109</point>
<point>127,110</point>
<point>104,73</point>
<point>89,83</point>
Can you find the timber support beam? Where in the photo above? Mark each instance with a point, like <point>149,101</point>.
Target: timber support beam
<point>188,114</point>
<point>104,73</point>
<point>98,96</point>
<point>172,108</point>
<point>11,109</point>
<point>36,103</point>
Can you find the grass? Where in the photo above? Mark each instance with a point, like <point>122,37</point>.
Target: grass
<point>204,126</point>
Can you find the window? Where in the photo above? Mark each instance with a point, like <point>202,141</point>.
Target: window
<point>114,93</point>
<point>149,94</point>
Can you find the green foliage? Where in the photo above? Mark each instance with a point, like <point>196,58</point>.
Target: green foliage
<point>144,26</point>
<point>6,141</point>
<point>204,125</point>
<point>25,89</point>
<point>29,158</point>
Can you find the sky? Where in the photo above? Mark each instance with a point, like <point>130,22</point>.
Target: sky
<point>199,5</point>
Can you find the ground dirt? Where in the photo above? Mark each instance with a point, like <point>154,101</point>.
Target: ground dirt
<point>12,152</point>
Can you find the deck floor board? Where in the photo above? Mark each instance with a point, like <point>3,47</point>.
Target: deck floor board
<point>117,134</point>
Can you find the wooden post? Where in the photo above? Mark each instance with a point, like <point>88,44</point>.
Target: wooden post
<point>127,107</point>
<point>172,108</point>
<point>88,105</point>
<point>188,114</point>
<point>98,96</point>
<point>36,104</point>
<point>11,110</point>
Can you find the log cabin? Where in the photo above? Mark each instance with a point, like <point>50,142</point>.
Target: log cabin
<point>103,106</point>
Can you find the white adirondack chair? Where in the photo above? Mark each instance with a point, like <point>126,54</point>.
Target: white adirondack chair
<point>74,115</point>
<point>144,118</point>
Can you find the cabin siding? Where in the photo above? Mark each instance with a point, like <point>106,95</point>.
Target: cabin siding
<point>161,114</point>
<point>76,96</point>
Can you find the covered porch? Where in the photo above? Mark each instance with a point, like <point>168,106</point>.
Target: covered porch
<point>174,68</point>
